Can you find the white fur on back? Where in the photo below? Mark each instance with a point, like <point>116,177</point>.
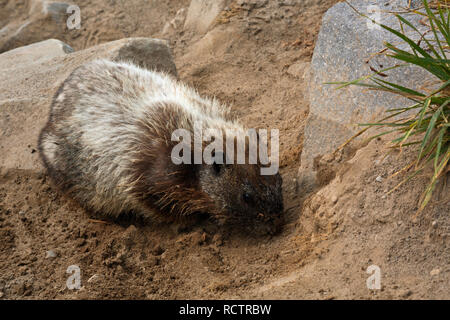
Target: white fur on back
<point>102,105</point>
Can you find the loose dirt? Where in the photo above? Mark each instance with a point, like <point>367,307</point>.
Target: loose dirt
<point>252,59</point>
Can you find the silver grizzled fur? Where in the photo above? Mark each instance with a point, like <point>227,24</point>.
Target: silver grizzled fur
<point>107,144</point>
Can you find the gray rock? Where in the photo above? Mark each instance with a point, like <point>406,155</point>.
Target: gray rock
<point>344,44</point>
<point>152,54</point>
<point>202,13</point>
<point>50,254</point>
<point>34,53</point>
<point>45,20</point>
<point>30,76</point>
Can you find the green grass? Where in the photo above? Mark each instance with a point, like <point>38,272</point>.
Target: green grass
<point>423,125</point>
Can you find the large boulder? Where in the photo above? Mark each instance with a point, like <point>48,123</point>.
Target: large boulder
<point>33,53</point>
<point>345,43</point>
<point>31,75</point>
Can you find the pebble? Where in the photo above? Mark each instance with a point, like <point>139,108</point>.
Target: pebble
<point>379,179</point>
<point>50,254</point>
<point>198,238</point>
<point>334,199</point>
<point>435,272</point>
<point>406,293</point>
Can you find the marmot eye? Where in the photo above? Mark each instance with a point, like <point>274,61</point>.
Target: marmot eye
<point>246,196</point>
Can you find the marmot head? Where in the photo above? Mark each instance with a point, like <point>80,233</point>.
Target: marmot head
<point>242,195</point>
<point>228,192</point>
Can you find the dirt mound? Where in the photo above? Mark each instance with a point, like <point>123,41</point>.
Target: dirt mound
<point>331,236</point>
<point>363,225</point>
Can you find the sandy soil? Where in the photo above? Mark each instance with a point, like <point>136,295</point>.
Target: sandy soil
<point>333,233</point>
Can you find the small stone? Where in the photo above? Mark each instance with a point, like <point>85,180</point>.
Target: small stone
<point>334,199</point>
<point>217,240</point>
<point>50,254</point>
<point>23,270</point>
<point>197,238</point>
<point>435,272</point>
<point>434,224</point>
<point>406,293</point>
<point>379,179</point>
